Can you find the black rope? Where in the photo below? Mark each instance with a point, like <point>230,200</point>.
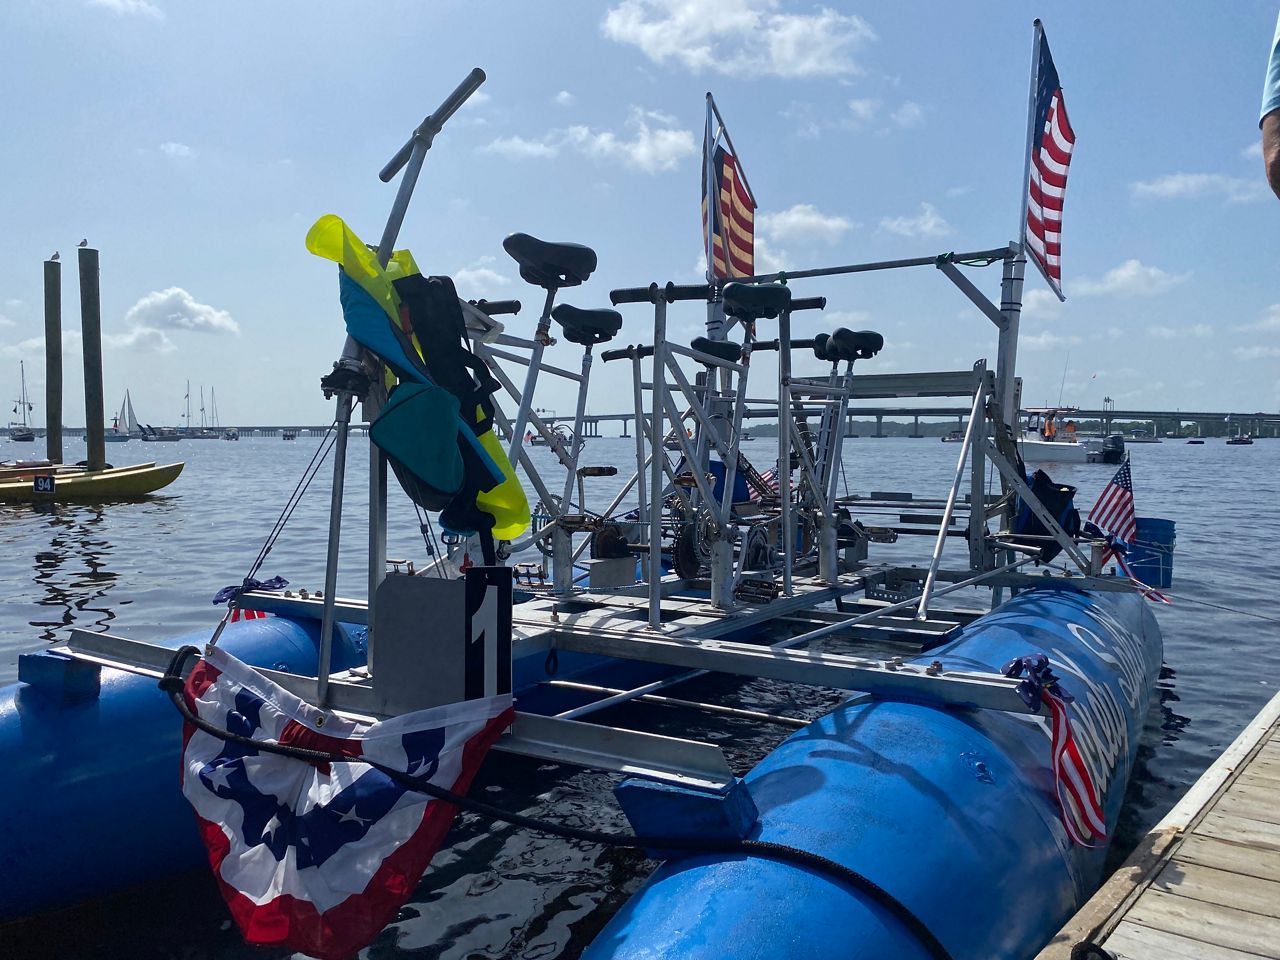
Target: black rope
<point>172,683</point>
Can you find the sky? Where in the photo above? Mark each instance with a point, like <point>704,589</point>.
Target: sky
<point>193,144</point>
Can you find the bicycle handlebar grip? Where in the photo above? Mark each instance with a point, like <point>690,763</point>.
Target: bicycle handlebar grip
<point>434,122</point>
<point>764,345</point>
<point>615,354</point>
<point>808,303</point>
<point>647,294</point>
<point>697,291</point>
<point>494,307</point>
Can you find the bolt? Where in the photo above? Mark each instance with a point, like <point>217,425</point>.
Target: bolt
<point>934,668</point>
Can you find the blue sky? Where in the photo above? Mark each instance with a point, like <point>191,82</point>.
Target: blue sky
<point>194,143</point>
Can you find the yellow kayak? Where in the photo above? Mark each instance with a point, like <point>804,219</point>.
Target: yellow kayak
<point>117,483</point>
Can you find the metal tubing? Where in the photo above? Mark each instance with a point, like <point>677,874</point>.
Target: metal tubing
<point>91,331</point>
<point>637,397</point>
<point>993,255</point>
<point>53,361</point>
<point>331,555</point>
<point>531,379</point>
<point>923,612</point>
<point>1015,265</point>
<point>656,466</point>
<point>562,542</point>
<point>784,450</point>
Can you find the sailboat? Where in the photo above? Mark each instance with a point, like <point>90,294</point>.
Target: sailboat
<point>188,432</point>
<point>124,425</point>
<point>22,432</point>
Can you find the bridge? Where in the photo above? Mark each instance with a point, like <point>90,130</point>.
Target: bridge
<point>1209,422</point>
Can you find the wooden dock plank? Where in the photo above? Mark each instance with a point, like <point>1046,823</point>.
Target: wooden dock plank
<point>1131,941</point>
<point>1210,922</point>
<point>1241,830</point>
<point>1222,887</point>
<point>1257,801</point>
<point>1221,855</point>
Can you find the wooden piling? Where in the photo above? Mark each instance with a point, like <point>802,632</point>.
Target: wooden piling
<point>53,360</point>
<point>91,328</point>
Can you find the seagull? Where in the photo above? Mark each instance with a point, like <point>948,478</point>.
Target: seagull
<point>55,255</point>
<point>83,243</point>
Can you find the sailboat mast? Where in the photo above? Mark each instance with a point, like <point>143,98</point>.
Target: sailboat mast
<point>203,425</point>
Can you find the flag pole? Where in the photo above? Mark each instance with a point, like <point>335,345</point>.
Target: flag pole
<point>1038,30</point>
<point>717,329</point>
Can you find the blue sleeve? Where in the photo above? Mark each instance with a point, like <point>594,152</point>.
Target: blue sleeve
<point>1271,89</point>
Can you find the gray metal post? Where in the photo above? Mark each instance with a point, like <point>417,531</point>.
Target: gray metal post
<point>331,556</point>
<point>788,545</point>
<point>53,360</point>
<point>91,331</point>
<point>1015,265</point>
<point>541,339</point>
<point>656,434</point>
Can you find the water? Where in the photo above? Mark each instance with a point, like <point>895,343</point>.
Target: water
<point>148,571</point>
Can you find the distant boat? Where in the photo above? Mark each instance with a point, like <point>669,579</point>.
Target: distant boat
<point>124,425</point>
<point>1240,441</point>
<point>202,432</point>
<point>745,437</point>
<point>231,433</point>
<point>955,436</point>
<point>1049,437</point>
<point>1142,436</point>
<point>152,434</point>
<point>289,435</point>
<point>22,432</point>
<point>1196,441</point>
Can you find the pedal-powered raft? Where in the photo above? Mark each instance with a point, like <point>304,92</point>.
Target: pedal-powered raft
<point>957,805</point>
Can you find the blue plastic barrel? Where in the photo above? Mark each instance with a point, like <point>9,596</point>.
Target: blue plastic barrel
<point>1150,555</point>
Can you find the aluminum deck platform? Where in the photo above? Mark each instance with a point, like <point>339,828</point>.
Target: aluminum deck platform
<point>1204,884</point>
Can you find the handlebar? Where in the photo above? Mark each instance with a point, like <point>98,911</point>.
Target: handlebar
<point>808,303</point>
<point>626,352</point>
<point>647,294</point>
<point>494,307</point>
<point>433,122</point>
<point>696,291</point>
<point>774,344</point>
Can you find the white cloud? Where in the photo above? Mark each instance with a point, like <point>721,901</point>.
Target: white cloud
<point>127,8</point>
<point>1253,151</point>
<point>169,309</point>
<point>928,223</point>
<point>959,191</point>
<point>1041,304</point>
<point>864,110</point>
<point>179,151</point>
<point>33,347</point>
<point>804,223</point>
<point>1193,185</point>
<point>1131,279</point>
<point>564,99</point>
<point>1256,353</point>
<point>1166,332</point>
<point>5,321</point>
<point>740,37</point>
<point>518,148</point>
<point>479,279</point>
<point>655,144</point>
<point>1268,323</point>
<point>910,114</point>
<point>767,259</point>
<point>1046,341</point>
<point>848,318</point>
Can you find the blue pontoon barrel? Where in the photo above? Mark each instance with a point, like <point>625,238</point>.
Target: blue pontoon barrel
<point>953,812</point>
<point>92,802</point>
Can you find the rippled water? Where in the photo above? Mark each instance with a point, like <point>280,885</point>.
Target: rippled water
<point>148,570</point>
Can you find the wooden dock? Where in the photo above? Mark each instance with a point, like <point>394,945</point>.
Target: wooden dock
<point>1205,882</point>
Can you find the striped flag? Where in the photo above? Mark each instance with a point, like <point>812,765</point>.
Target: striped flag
<point>1113,513</point>
<point>1050,143</point>
<point>728,207</point>
<point>1077,796</point>
<point>770,478</point>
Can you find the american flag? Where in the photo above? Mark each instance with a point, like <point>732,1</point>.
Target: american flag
<point>1113,513</point>
<point>1077,796</point>
<point>319,857</point>
<point>728,211</point>
<point>770,478</point>
<point>1052,140</point>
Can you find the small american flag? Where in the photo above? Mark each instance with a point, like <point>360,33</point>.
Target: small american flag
<point>770,478</point>
<point>728,210</point>
<point>1113,513</point>
<point>1052,141</point>
<point>1077,796</point>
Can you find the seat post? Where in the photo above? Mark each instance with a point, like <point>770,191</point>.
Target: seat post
<point>561,541</point>
<point>542,339</point>
<point>788,544</point>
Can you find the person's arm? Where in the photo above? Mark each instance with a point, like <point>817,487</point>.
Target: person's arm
<point>1271,148</point>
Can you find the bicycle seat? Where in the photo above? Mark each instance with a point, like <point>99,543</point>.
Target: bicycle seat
<point>845,344</point>
<point>755,301</point>
<point>723,349</point>
<point>550,265</point>
<point>587,327</point>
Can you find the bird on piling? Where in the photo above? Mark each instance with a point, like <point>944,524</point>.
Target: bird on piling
<point>83,243</point>
<point>55,255</point>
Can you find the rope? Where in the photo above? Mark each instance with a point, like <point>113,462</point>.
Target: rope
<point>173,685</point>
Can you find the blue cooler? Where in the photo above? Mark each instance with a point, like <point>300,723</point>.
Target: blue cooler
<point>1150,555</point>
